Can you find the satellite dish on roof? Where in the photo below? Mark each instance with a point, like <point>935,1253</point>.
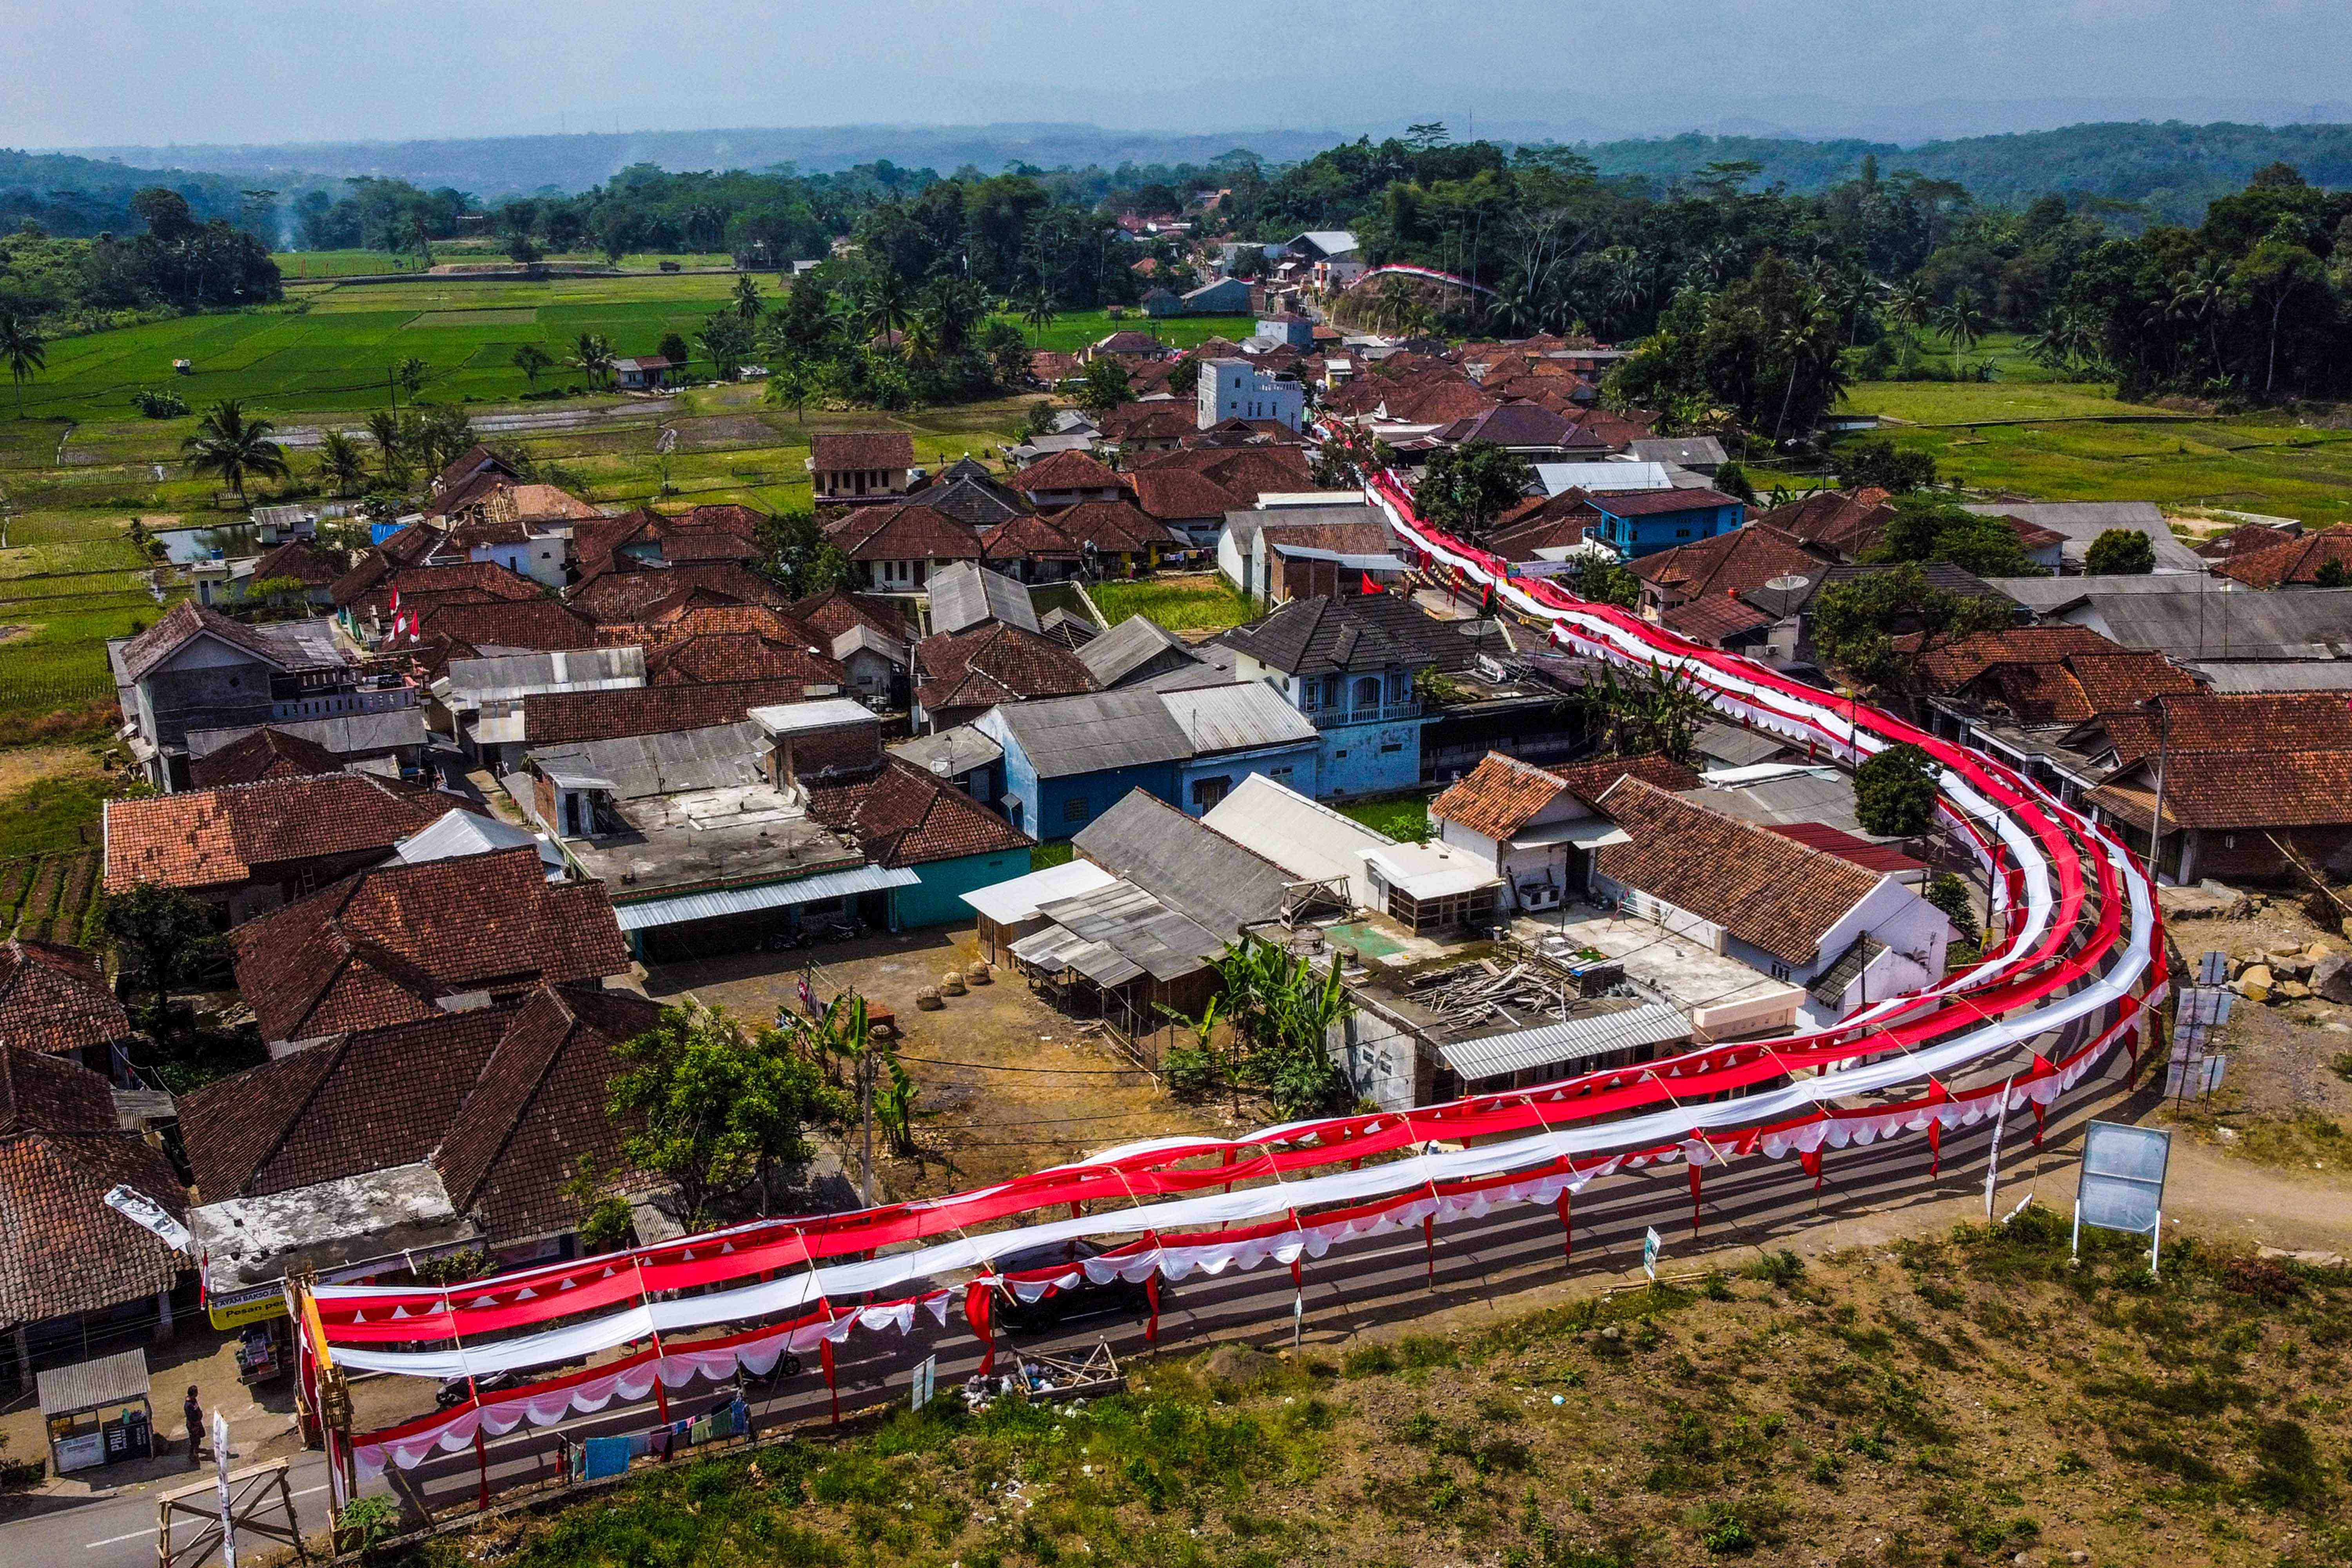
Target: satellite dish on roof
<point>1787,583</point>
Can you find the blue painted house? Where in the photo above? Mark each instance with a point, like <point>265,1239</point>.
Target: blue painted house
<point>1642,523</point>
<point>1348,666</point>
<point>1067,760</point>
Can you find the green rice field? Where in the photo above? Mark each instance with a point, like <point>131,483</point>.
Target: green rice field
<point>1069,333</point>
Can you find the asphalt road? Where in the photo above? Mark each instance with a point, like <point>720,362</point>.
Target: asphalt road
<point>1512,1253</point>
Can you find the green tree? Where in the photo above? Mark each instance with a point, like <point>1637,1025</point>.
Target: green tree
<point>532,361</point>
<point>441,434</point>
<point>726,343</point>
<point>1104,385</point>
<point>163,935</point>
<point>341,462</point>
<point>718,1107</point>
<point>1874,628</point>
<point>2273,272</point>
<point>1038,420</point>
<point>791,382</point>
<point>1008,356</point>
<point>2120,552</point>
<point>1464,488</point>
<point>1952,895</point>
<point>1883,465</point>
<point>797,554</point>
<point>1924,529</point>
<point>1038,310</point>
<point>746,299</point>
<point>1657,712</point>
<point>1963,323</point>
<point>2332,574</point>
<point>673,348</point>
<point>1605,581</point>
<point>592,354</point>
<point>22,348</point>
<point>236,447</point>
<point>1895,792</point>
<point>411,373</point>
<point>384,428</point>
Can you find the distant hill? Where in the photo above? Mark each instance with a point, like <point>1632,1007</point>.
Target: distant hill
<point>79,197</point>
<point>2170,169</point>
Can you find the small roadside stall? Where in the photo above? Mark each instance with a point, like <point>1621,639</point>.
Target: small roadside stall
<point>97,1413</point>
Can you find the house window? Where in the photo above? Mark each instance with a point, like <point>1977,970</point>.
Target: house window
<point>1780,971</point>
<point>1074,810</point>
<point>1392,746</point>
<point>1206,793</point>
<point>1681,533</point>
<point>898,574</point>
<point>1368,691</point>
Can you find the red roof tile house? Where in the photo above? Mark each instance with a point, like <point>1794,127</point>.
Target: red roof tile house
<point>71,1269</point>
<point>855,466</point>
<point>479,1119</point>
<point>2320,559</point>
<point>402,941</point>
<point>56,999</point>
<point>895,549</point>
<point>958,676</point>
<point>1065,478</point>
<point>1539,827</point>
<point>247,848</point>
<point>1720,567</point>
<point>1846,935</point>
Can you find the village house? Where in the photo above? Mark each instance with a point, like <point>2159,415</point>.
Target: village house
<point>72,1270</point>
<point>247,848</point>
<point>1643,522</point>
<point>1275,555</point>
<point>1538,828</point>
<point>1236,389</point>
<point>391,744</point>
<point>197,670</point>
<point>897,548</point>
<point>853,466</point>
<point>56,1000</point>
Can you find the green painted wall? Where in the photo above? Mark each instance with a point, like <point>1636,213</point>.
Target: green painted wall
<point>938,898</point>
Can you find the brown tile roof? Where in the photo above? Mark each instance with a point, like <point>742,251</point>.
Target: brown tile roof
<point>55,998</point>
<point>2230,721</point>
<point>994,663</point>
<point>1848,522</point>
<point>1728,563</point>
<point>832,451</point>
<point>908,530</point>
<point>457,582</point>
<point>1027,538</point>
<point>1063,471</point>
<point>2298,560</point>
<point>308,564</point>
<point>2221,791</point>
<point>476,460</point>
<point>718,658</point>
<point>221,837</point>
<point>1768,891</point>
<point>2245,539</point>
<point>1499,797</point>
<point>1127,341</point>
<point>555,718</point>
<point>544,625</point>
<point>506,1103</point>
<point>1591,780</point>
<point>1155,421</point>
<point>62,1250</point>
<point>1658,503</point>
<point>1246,471</point>
<point>699,533</point>
<point>188,620</point>
<point>701,618</point>
<point>618,596</point>
<point>1712,620</point>
<point>903,816</point>
<point>263,754</point>
<point>1050,366</point>
<point>1113,527</point>
<point>389,945</point>
<point>835,610</point>
<point>2055,674</point>
<point>1180,494</point>
<point>1950,667</point>
<point>2119,680</point>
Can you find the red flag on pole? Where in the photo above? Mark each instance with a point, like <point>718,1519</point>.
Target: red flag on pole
<point>1370,587</point>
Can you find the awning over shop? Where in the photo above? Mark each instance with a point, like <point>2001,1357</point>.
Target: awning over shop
<point>656,912</point>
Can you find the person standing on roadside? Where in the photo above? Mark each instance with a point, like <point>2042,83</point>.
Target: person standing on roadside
<point>194,1410</point>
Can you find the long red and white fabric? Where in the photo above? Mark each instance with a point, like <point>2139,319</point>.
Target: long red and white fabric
<point>2069,980</point>
<point>1406,270</point>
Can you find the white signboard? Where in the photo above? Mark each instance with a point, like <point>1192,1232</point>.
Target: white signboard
<point>1650,1245</point>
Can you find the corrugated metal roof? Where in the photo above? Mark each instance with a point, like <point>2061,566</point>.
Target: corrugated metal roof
<point>1311,842</point>
<point>963,594</point>
<point>1238,718</point>
<point>1063,736</point>
<point>2268,675</point>
<point>1138,927</point>
<point>1057,948</point>
<point>1432,871</point>
<point>772,896</point>
<point>672,763</point>
<point>962,749</point>
<point>1186,865</point>
<point>1598,478</point>
<point>1568,1041</point>
<point>471,682</point>
<point>94,1384</point>
<point>457,833</point>
<point>1118,652</point>
<point>1361,562</point>
<point>345,734</point>
<point>1011,902</point>
<point>793,718</point>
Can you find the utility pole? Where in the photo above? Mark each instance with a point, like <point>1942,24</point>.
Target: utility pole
<point>866,1120</point>
<point>2156,825</point>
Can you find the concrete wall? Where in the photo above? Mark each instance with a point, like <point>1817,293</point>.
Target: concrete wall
<point>541,560</point>
<point>938,898</point>
<point>1294,767</point>
<point>205,685</point>
<point>1370,759</point>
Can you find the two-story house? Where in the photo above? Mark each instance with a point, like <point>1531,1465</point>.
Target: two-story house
<point>197,669</point>
<point>1349,667</point>
<point>1642,523</point>
<point>854,466</point>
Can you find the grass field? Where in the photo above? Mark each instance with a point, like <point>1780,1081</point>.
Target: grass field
<point>1971,1399</point>
<point>1405,819</point>
<point>296,266</point>
<point>1190,604</point>
<point>1074,331</point>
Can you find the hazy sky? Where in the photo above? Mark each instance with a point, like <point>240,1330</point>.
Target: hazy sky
<point>96,72</point>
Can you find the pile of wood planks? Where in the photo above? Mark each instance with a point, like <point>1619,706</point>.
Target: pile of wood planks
<point>1473,995</point>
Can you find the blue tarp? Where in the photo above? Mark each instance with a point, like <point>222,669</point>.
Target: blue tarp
<point>606,1457</point>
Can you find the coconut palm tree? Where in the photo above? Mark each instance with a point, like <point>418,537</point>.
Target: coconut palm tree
<point>1963,323</point>
<point>341,462</point>
<point>23,349</point>
<point>390,437</point>
<point>747,299</point>
<point>1038,312</point>
<point>2199,295</point>
<point>532,361</point>
<point>592,355</point>
<point>235,446</point>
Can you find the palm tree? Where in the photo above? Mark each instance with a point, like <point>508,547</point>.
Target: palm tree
<point>1963,323</point>
<point>790,384</point>
<point>234,446</point>
<point>391,439</point>
<point>532,361</point>
<point>746,299</point>
<point>883,301</point>
<point>1037,312</point>
<point>1812,336</point>
<point>21,346</point>
<point>592,355</point>
<point>411,373</point>
<point>2198,295</point>
<point>339,461</point>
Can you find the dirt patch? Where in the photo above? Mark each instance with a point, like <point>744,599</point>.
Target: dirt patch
<point>1007,1084</point>
<point>728,430</point>
<point>29,764</point>
<point>9,634</point>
